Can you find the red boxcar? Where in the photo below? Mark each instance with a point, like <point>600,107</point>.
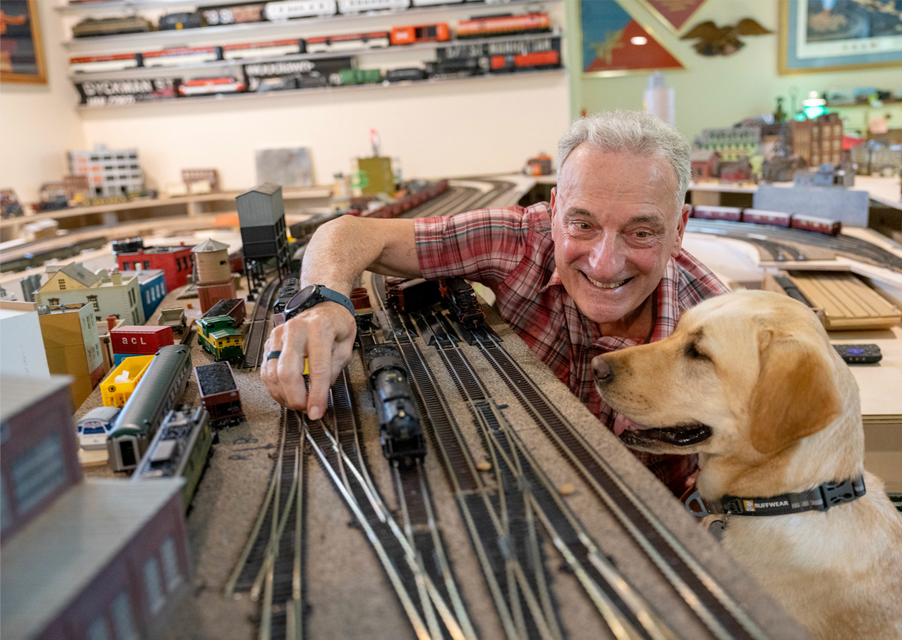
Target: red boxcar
<point>818,225</point>
<point>137,340</point>
<point>760,216</point>
<point>420,33</point>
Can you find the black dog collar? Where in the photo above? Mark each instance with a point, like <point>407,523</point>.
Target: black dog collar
<point>820,498</point>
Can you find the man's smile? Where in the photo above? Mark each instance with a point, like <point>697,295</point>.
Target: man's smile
<point>607,285</point>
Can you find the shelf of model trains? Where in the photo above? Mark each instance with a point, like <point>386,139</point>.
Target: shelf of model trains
<point>114,6</point>
<point>177,36</point>
<point>166,71</point>
<point>272,95</point>
<point>292,193</point>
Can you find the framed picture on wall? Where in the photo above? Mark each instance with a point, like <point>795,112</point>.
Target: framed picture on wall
<point>837,35</point>
<point>21,48</point>
<point>614,43</point>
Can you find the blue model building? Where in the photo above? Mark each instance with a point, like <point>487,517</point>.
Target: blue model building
<point>152,286</point>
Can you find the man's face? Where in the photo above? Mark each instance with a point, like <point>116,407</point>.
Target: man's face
<point>615,226</point>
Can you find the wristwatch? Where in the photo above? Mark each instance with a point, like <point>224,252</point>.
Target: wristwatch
<point>312,295</point>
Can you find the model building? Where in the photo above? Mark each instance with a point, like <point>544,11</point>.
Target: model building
<point>214,273</point>
<point>108,294</point>
<point>174,261</point>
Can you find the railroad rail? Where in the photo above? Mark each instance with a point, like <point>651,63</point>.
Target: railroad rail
<point>258,327</point>
<point>855,248</point>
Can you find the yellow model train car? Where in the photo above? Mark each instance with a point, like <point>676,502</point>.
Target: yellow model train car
<point>121,382</point>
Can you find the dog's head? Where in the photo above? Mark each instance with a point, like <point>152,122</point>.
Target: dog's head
<point>747,374</point>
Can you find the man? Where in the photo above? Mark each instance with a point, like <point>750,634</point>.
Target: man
<point>599,268</point>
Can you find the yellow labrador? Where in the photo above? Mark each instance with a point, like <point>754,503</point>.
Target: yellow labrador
<point>750,382</point>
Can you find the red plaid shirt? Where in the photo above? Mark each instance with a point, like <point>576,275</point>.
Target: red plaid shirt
<point>511,252</point>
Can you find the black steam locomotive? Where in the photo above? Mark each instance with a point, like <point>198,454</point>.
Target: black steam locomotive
<point>400,429</point>
<point>462,302</point>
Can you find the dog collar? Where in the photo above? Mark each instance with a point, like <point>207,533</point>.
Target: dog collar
<point>820,498</point>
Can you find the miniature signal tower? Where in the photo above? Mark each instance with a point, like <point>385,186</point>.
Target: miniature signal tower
<point>261,214</point>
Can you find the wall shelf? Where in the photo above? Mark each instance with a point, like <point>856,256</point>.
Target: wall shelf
<point>220,65</point>
<point>315,91</point>
<point>169,38</point>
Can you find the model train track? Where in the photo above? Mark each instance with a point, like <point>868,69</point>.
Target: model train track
<point>259,325</point>
<point>716,609</point>
<point>335,441</point>
<point>855,248</point>
<point>520,610</point>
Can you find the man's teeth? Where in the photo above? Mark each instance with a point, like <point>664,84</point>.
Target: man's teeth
<point>607,285</point>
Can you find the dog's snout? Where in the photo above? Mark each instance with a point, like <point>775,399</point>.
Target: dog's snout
<point>604,374</point>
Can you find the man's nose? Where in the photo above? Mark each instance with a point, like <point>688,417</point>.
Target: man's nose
<point>607,258</point>
<point>604,373</point>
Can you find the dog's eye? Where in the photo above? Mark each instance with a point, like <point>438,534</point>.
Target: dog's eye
<point>693,352</point>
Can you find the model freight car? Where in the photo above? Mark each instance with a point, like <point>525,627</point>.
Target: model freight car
<point>232,307</point>
<point>93,27</point>
<point>420,33</point>
<point>411,295</point>
<point>210,86</point>
<point>359,76</point>
<point>219,393</point>
<point>159,389</point>
<point>121,382</point>
<point>525,62</point>
<point>219,336</point>
<point>140,339</point>
<point>288,9</point>
<point>503,25</point>
<point>180,20</point>
<point>407,74</point>
<point>400,429</point>
<point>174,318</point>
<point>179,450</point>
<point>348,42</point>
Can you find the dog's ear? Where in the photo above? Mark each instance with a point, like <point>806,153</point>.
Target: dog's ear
<point>795,395</point>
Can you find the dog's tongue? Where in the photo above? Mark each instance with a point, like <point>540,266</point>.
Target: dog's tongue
<point>622,423</point>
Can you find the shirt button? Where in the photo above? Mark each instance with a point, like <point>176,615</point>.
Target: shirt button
<point>584,398</point>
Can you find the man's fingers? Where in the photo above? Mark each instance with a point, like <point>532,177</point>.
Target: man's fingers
<point>319,368</point>
<point>290,370</point>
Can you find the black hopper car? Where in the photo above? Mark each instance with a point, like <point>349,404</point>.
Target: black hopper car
<point>461,301</point>
<point>400,429</point>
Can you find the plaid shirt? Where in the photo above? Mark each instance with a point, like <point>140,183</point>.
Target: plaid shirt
<point>511,252</point>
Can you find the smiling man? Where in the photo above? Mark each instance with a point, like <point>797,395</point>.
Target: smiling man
<point>599,268</point>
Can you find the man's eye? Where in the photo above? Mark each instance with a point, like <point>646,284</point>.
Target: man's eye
<point>643,234</point>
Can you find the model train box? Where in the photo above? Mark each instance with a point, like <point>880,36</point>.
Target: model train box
<point>257,72</point>
<point>104,93</point>
<point>118,386</point>
<point>219,393</point>
<point>140,340</point>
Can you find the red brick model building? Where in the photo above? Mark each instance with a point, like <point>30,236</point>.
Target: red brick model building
<point>100,558</point>
<point>214,273</point>
<point>174,261</point>
<point>818,141</point>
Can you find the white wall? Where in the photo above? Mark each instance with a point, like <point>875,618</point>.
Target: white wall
<point>720,91</point>
<point>444,129</point>
<point>38,122</point>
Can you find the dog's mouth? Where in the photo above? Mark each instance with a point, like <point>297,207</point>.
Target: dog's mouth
<point>682,435</point>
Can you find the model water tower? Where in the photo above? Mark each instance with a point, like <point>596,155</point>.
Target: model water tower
<point>214,275</point>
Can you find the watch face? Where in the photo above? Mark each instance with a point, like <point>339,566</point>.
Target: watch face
<point>296,304</point>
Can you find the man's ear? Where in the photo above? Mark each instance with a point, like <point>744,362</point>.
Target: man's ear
<point>681,229</point>
<point>795,397</point>
<point>553,200</point>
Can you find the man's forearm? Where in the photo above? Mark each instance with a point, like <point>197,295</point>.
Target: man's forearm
<point>344,248</point>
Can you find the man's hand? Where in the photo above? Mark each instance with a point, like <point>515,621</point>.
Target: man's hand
<point>323,334</point>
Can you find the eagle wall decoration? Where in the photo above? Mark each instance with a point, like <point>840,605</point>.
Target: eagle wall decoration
<point>722,41</point>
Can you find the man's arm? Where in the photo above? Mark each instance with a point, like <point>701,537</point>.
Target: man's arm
<point>338,253</point>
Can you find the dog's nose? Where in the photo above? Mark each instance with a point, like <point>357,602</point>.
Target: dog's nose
<point>604,374</point>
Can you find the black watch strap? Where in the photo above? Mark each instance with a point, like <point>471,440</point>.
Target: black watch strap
<point>306,299</point>
<point>333,296</point>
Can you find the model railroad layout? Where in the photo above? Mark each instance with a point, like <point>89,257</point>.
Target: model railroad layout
<point>444,478</point>
<point>522,532</point>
